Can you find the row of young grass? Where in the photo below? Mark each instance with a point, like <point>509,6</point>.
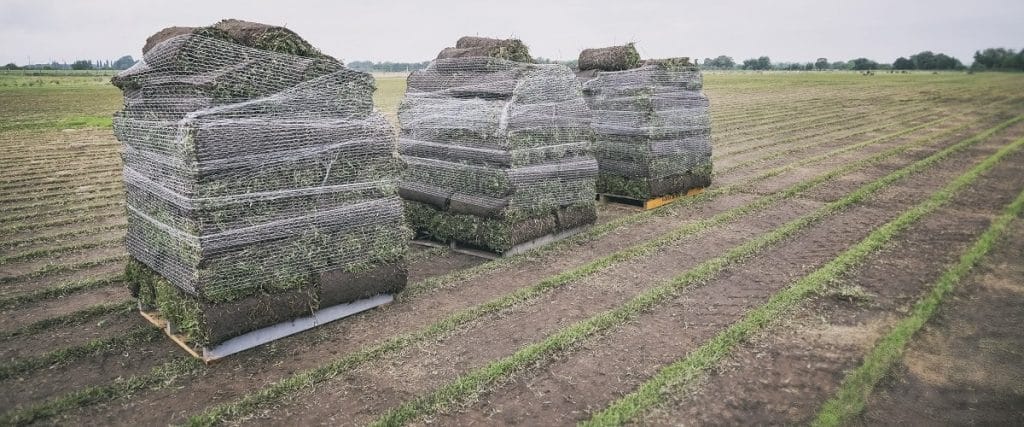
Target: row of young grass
<point>285,387</point>
<point>66,202</point>
<point>38,198</point>
<point>74,318</point>
<point>159,376</point>
<point>35,165</point>
<point>794,148</point>
<point>571,337</point>
<point>436,330</point>
<point>67,173</point>
<point>805,123</point>
<point>816,129</point>
<point>772,108</point>
<point>64,289</point>
<point>25,168</point>
<point>601,230</point>
<point>849,401</point>
<point>57,250</point>
<point>60,290</point>
<point>115,344</point>
<point>54,268</point>
<point>11,244</point>
<point>684,371</point>
<point>72,220</point>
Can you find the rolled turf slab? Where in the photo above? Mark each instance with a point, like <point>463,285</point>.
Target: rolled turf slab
<point>651,123</point>
<point>497,152</point>
<point>252,34</point>
<point>507,49</point>
<point>261,184</point>
<point>612,58</point>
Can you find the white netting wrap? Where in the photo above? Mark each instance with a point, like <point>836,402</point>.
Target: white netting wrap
<point>248,170</point>
<point>652,129</point>
<point>497,152</point>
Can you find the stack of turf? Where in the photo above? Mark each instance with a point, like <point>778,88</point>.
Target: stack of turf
<point>650,120</point>
<point>261,184</point>
<point>497,150</point>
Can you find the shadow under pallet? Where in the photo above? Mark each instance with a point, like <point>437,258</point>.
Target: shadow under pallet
<point>514,250</point>
<point>647,204</point>
<point>266,334</point>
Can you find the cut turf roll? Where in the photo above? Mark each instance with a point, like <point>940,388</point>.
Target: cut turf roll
<point>261,184</point>
<point>613,58</point>
<point>651,124</point>
<point>497,152</point>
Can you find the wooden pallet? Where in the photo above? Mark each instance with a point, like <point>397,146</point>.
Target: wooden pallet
<point>515,250</point>
<point>649,203</point>
<point>267,334</point>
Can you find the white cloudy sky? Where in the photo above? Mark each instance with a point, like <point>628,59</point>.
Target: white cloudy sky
<point>400,30</point>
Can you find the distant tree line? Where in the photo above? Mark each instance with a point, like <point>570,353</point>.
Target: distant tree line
<point>998,59</point>
<point>928,61</point>
<point>724,62</point>
<point>122,63</point>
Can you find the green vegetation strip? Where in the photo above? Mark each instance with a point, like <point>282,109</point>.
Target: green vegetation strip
<point>654,391</point>
<point>63,289</point>
<point>56,250</point>
<point>160,376</point>
<point>858,385</point>
<point>71,319</point>
<point>68,204</point>
<point>60,222</point>
<point>58,236</point>
<point>119,343</point>
<point>853,122</point>
<point>601,230</point>
<point>305,379</point>
<point>55,268</point>
<point>475,382</point>
<point>795,148</point>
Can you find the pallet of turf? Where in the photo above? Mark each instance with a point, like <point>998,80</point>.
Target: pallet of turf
<point>651,125</point>
<point>496,148</point>
<point>261,187</point>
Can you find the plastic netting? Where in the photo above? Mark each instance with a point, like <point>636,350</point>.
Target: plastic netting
<point>497,152</point>
<point>652,129</point>
<point>252,171</point>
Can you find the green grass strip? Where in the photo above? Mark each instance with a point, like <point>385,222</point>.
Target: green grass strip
<point>858,385</point>
<point>475,382</point>
<point>71,319</point>
<point>655,390</point>
<point>598,231</point>
<point>9,244</point>
<point>305,379</point>
<point>56,250</point>
<point>159,376</point>
<point>60,290</point>
<point>55,268</point>
<point>66,355</point>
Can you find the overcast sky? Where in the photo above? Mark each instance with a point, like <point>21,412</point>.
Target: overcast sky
<point>398,30</point>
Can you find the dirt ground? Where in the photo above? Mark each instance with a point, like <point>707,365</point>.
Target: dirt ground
<point>61,188</point>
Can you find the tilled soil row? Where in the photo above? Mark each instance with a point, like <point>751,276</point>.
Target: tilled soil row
<point>332,333</point>
<point>460,293</point>
<point>964,366</point>
<point>550,392</point>
<point>784,375</point>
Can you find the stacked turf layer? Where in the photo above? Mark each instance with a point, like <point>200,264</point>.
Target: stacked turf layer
<point>497,152</point>
<point>651,123</point>
<point>261,185</point>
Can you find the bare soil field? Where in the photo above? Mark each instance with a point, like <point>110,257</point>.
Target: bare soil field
<point>839,203</point>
